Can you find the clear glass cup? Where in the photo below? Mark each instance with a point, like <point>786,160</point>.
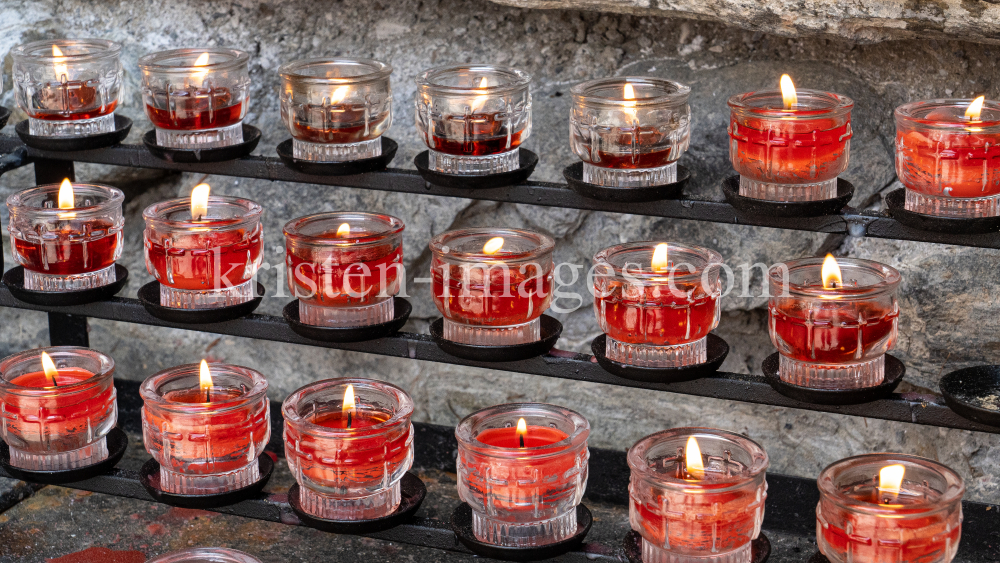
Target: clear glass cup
<point>68,249</point>
<point>473,118</point>
<point>523,495</point>
<point>349,468</point>
<point>206,555</point>
<point>206,446</point>
<point>657,314</point>
<point>336,108</point>
<point>62,426</point>
<point>949,163</point>
<point>344,276</point>
<point>492,298</point>
<point>196,98</point>
<point>685,516</point>
<point>630,131</point>
<point>205,263</point>
<point>791,154</point>
<point>861,519</point>
<point>68,87</point>
<point>833,338</point>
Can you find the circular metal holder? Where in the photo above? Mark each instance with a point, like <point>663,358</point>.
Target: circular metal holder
<point>4,116</point>
<point>251,136</point>
<point>751,206</point>
<point>149,296</point>
<point>718,349</point>
<point>117,442</point>
<point>528,161</point>
<point>760,548</point>
<point>895,202</point>
<point>149,475</point>
<point>14,280</point>
<point>412,493</point>
<point>461,524</point>
<point>966,389</point>
<point>894,372</point>
<point>574,177</point>
<point>64,144</point>
<point>550,329</point>
<point>347,168</point>
<point>401,307</point>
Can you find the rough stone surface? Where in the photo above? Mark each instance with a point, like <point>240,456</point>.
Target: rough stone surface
<point>948,297</point>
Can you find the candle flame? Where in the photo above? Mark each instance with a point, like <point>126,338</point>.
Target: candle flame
<point>199,201</point>
<point>66,199</point>
<point>788,94</point>
<point>493,245</point>
<point>522,431</point>
<point>349,403</point>
<point>479,101</point>
<point>890,479</point>
<point>660,263</point>
<point>339,94</point>
<point>49,367</point>
<point>975,109</point>
<point>832,278</point>
<point>629,95</point>
<point>692,459</point>
<point>344,230</point>
<point>205,377</point>
<point>60,70</point>
<point>202,60</point>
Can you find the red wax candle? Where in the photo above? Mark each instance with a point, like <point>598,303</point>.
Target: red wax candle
<point>339,124</point>
<point>477,134</point>
<point>832,333</point>
<point>206,260</point>
<point>496,297</point>
<point>651,149</point>
<point>71,101</point>
<point>75,409</point>
<point>194,109</point>
<point>68,250</point>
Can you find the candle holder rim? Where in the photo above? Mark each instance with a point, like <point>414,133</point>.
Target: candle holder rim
<point>155,213</point>
<point>16,200</point>
<point>106,371</point>
<point>218,554</point>
<point>908,113</point>
<point>890,282</point>
<point>545,244</point>
<point>292,228</point>
<point>713,261</point>
<point>953,493</point>
<point>520,80</point>
<point>380,70</point>
<point>107,49</point>
<point>402,413</point>
<point>149,389</point>
<point>640,467</point>
<point>838,104</point>
<point>581,431</point>
<point>148,62</point>
<point>679,96</point>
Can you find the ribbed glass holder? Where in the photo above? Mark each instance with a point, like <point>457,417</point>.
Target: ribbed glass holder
<point>629,177</point>
<point>365,315</point>
<point>959,207</point>
<point>377,505</point>
<point>206,299</point>
<point>479,335</point>
<point>788,192</point>
<point>530,534</point>
<point>60,461</point>
<point>654,554</point>
<point>832,376</point>
<point>37,281</point>
<point>474,165</point>
<point>649,355</point>
<point>200,139</point>
<point>75,128</point>
<point>335,152</point>
<point>209,483</point>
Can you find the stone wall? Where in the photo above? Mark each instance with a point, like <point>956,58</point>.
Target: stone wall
<point>948,294</point>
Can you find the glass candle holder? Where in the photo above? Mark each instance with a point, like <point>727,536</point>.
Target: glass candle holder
<point>473,118</point>
<point>57,418</point>
<point>68,87</point>
<point>833,338</point>
<point>68,247</point>
<point>206,555</point>
<point>492,285</point>
<point>523,486</point>
<point>206,437</point>
<point>791,154</point>
<point>336,109</point>
<point>948,162</point>
<point>208,262</point>
<point>657,302</point>
<point>629,132</point>
<point>697,505</point>
<point>196,98</point>
<point>348,442</point>
<point>863,517</point>
<point>344,267</point>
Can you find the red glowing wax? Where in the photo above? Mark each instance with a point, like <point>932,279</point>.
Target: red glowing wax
<point>206,260</point>
<point>790,151</point>
<point>195,109</point>
<point>949,163</point>
<point>65,416</point>
<point>64,256</point>
<point>645,157</point>
<point>657,316</point>
<point>340,124</point>
<point>479,134</point>
<point>318,275</point>
<point>499,297</point>
<point>535,436</point>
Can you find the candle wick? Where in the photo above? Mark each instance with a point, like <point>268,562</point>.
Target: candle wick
<point>208,394</point>
<point>521,438</point>
<point>349,419</point>
<point>55,382</point>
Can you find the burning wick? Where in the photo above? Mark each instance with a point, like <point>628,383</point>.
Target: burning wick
<point>205,380</point>
<point>344,230</point>
<point>788,95</point>
<point>49,367</point>
<point>660,263</point>
<point>975,109</point>
<point>339,94</point>
<point>202,60</point>
<point>692,459</point>
<point>348,404</point>
<point>832,278</point>
<point>629,94</point>
<point>890,481</point>
<point>479,101</point>
<point>199,201</point>
<point>522,429</point>
<point>60,70</point>
<point>493,245</point>
<point>66,199</point>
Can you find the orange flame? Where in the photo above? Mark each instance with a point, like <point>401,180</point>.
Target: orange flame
<point>522,431</point>
<point>788,95</point>
<point>49,367</point>
<point>975,109</point>
<point>339,94</point>
<point>344,230</point>
<point>660,262</point>
<point>832,278</point>
<point>890,479</point>
<point>60,70</point>
<point>205,378</point>
<point>66,199</point>
<point>199,201</point>
<point>349,403</point>
<point>629,95</point>
<point>493,246</point>
<point>692,459</point>
<point>479,101</point>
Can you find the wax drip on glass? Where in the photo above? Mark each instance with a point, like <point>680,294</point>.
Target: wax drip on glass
<point>66,199</point>
<point>788,95</point>
<point>199,201</point>
<point>694,467</point>
<point>349,404</point>
<point>493,246</point>
<point>49,367</point>
<point>890,481</point>
<point>205,381</point>
<point>522,430</point>
<point>479,101</point>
